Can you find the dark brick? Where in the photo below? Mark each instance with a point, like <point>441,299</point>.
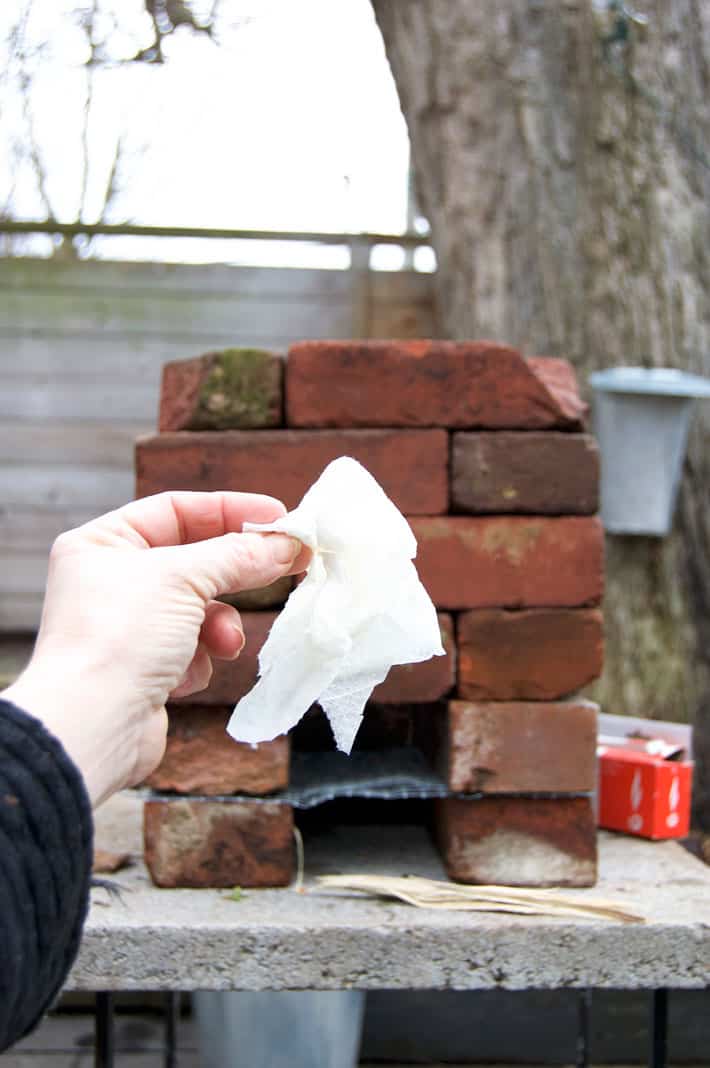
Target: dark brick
<point>207,843</point>
<point>272,596</point>
<point>530,472</point>
<point>537,654</point>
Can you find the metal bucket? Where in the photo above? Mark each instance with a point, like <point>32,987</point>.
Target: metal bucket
<point>279,1029</point>
<point>641,420</point>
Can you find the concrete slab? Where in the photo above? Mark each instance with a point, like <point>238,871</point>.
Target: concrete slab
<point>284,939</point>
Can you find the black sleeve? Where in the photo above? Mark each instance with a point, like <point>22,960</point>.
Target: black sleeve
<point>46,836</point>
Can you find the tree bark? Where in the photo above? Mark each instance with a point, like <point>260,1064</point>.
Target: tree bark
<point>562,156</point>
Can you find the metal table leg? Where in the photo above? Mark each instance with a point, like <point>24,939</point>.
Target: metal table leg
<point>584,1008</point>
<point>103,1030</point>
<point>172,1016</point>
<point>658,1052</point>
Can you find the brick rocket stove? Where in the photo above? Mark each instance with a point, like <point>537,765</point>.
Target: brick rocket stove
<point>486,454</point>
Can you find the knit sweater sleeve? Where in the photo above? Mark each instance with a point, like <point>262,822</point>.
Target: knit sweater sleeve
<point>45,869</point>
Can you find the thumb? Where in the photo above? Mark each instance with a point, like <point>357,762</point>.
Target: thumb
<point>234,562</point>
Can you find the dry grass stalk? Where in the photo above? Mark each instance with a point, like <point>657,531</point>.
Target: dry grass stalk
<point>435,894</point>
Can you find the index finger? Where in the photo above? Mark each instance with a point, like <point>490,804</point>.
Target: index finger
<point>185,517</point>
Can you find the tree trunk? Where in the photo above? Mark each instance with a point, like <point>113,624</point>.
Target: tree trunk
<point>562,157</point>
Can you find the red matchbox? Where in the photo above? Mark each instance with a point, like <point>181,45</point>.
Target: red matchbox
<point>644,786</point>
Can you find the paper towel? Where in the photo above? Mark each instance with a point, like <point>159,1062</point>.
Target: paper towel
<point>360,609</point>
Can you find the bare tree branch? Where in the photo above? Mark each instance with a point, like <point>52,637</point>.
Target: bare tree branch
<point>101,29</point>
<point>167,16</point>
<point>33,150</point>
<point>112,183</point>
<point>86,117</point>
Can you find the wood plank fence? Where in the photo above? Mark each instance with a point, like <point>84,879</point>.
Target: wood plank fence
<point>81,348</point>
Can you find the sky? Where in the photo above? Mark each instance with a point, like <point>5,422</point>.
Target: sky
<point>291,122</point>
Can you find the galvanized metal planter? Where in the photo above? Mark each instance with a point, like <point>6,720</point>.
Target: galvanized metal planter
<point>641,419</point>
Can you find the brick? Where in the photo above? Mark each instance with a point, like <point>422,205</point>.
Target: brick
<point>424,682</point>
<point>271,596</point>
<point>231,679</point>
<point>426,383</point>
<point>233,389</point>
<point>391,726</point>
<point>383,727</point>
<point>406,683</point>
<point>519,747</point>
<point>411,465</point>
<point>191,842</point>
<point>201,758</point>
<point>518,841</point>
<point>534,472</point>
<point>510,561</point>
<point>535,654</point>
<point>558,376</point>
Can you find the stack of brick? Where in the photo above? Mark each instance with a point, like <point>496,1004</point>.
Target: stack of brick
<point>485,452</point>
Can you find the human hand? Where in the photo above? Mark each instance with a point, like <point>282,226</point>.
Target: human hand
<point>130,618</point>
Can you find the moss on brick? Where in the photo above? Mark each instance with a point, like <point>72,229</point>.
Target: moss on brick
<point>241,390</point>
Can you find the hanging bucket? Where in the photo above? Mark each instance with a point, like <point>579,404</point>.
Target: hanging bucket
<point>641,420</point>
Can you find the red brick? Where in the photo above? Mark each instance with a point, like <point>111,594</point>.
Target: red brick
<point>201,758</point>
<point>535,655</point>
<point>558,376</point>
<point>233,389</point>
<point>428,681</point>
<point>534,472</point>
<point>518,841</point>
<point>510,561</point>
<point>520,747</point>
<point>411,465</point>
<point>231,679</point>
<point>426,383</point>
<point>205,843</point>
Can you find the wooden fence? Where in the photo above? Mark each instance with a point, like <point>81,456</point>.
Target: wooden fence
<point>81,347</point>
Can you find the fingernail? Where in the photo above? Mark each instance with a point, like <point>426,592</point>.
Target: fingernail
<point>241,640</point>
<point>284,549</point>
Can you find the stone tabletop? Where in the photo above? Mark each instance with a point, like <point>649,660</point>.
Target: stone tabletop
<point>155,939</point>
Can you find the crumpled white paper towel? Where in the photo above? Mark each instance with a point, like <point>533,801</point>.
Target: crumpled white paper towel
<point>360,609</point>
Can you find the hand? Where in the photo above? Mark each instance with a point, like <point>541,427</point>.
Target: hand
<point>130,617</point>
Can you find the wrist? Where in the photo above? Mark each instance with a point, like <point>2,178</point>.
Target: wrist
<point>67,698</point>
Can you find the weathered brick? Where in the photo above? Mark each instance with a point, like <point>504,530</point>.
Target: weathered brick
<point>534,472</point>
<point>231,679</point>
<point>518,841</point>
<point>207,843</point>
<point>233,389</point>
<point>411,465</point>
<point>519,747</point>
<point>424,682</point>
<point>427,383</point>
<point>201,758</point>
<point>510,561</point>
<point>559,377</point>
<point>537,654</point>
